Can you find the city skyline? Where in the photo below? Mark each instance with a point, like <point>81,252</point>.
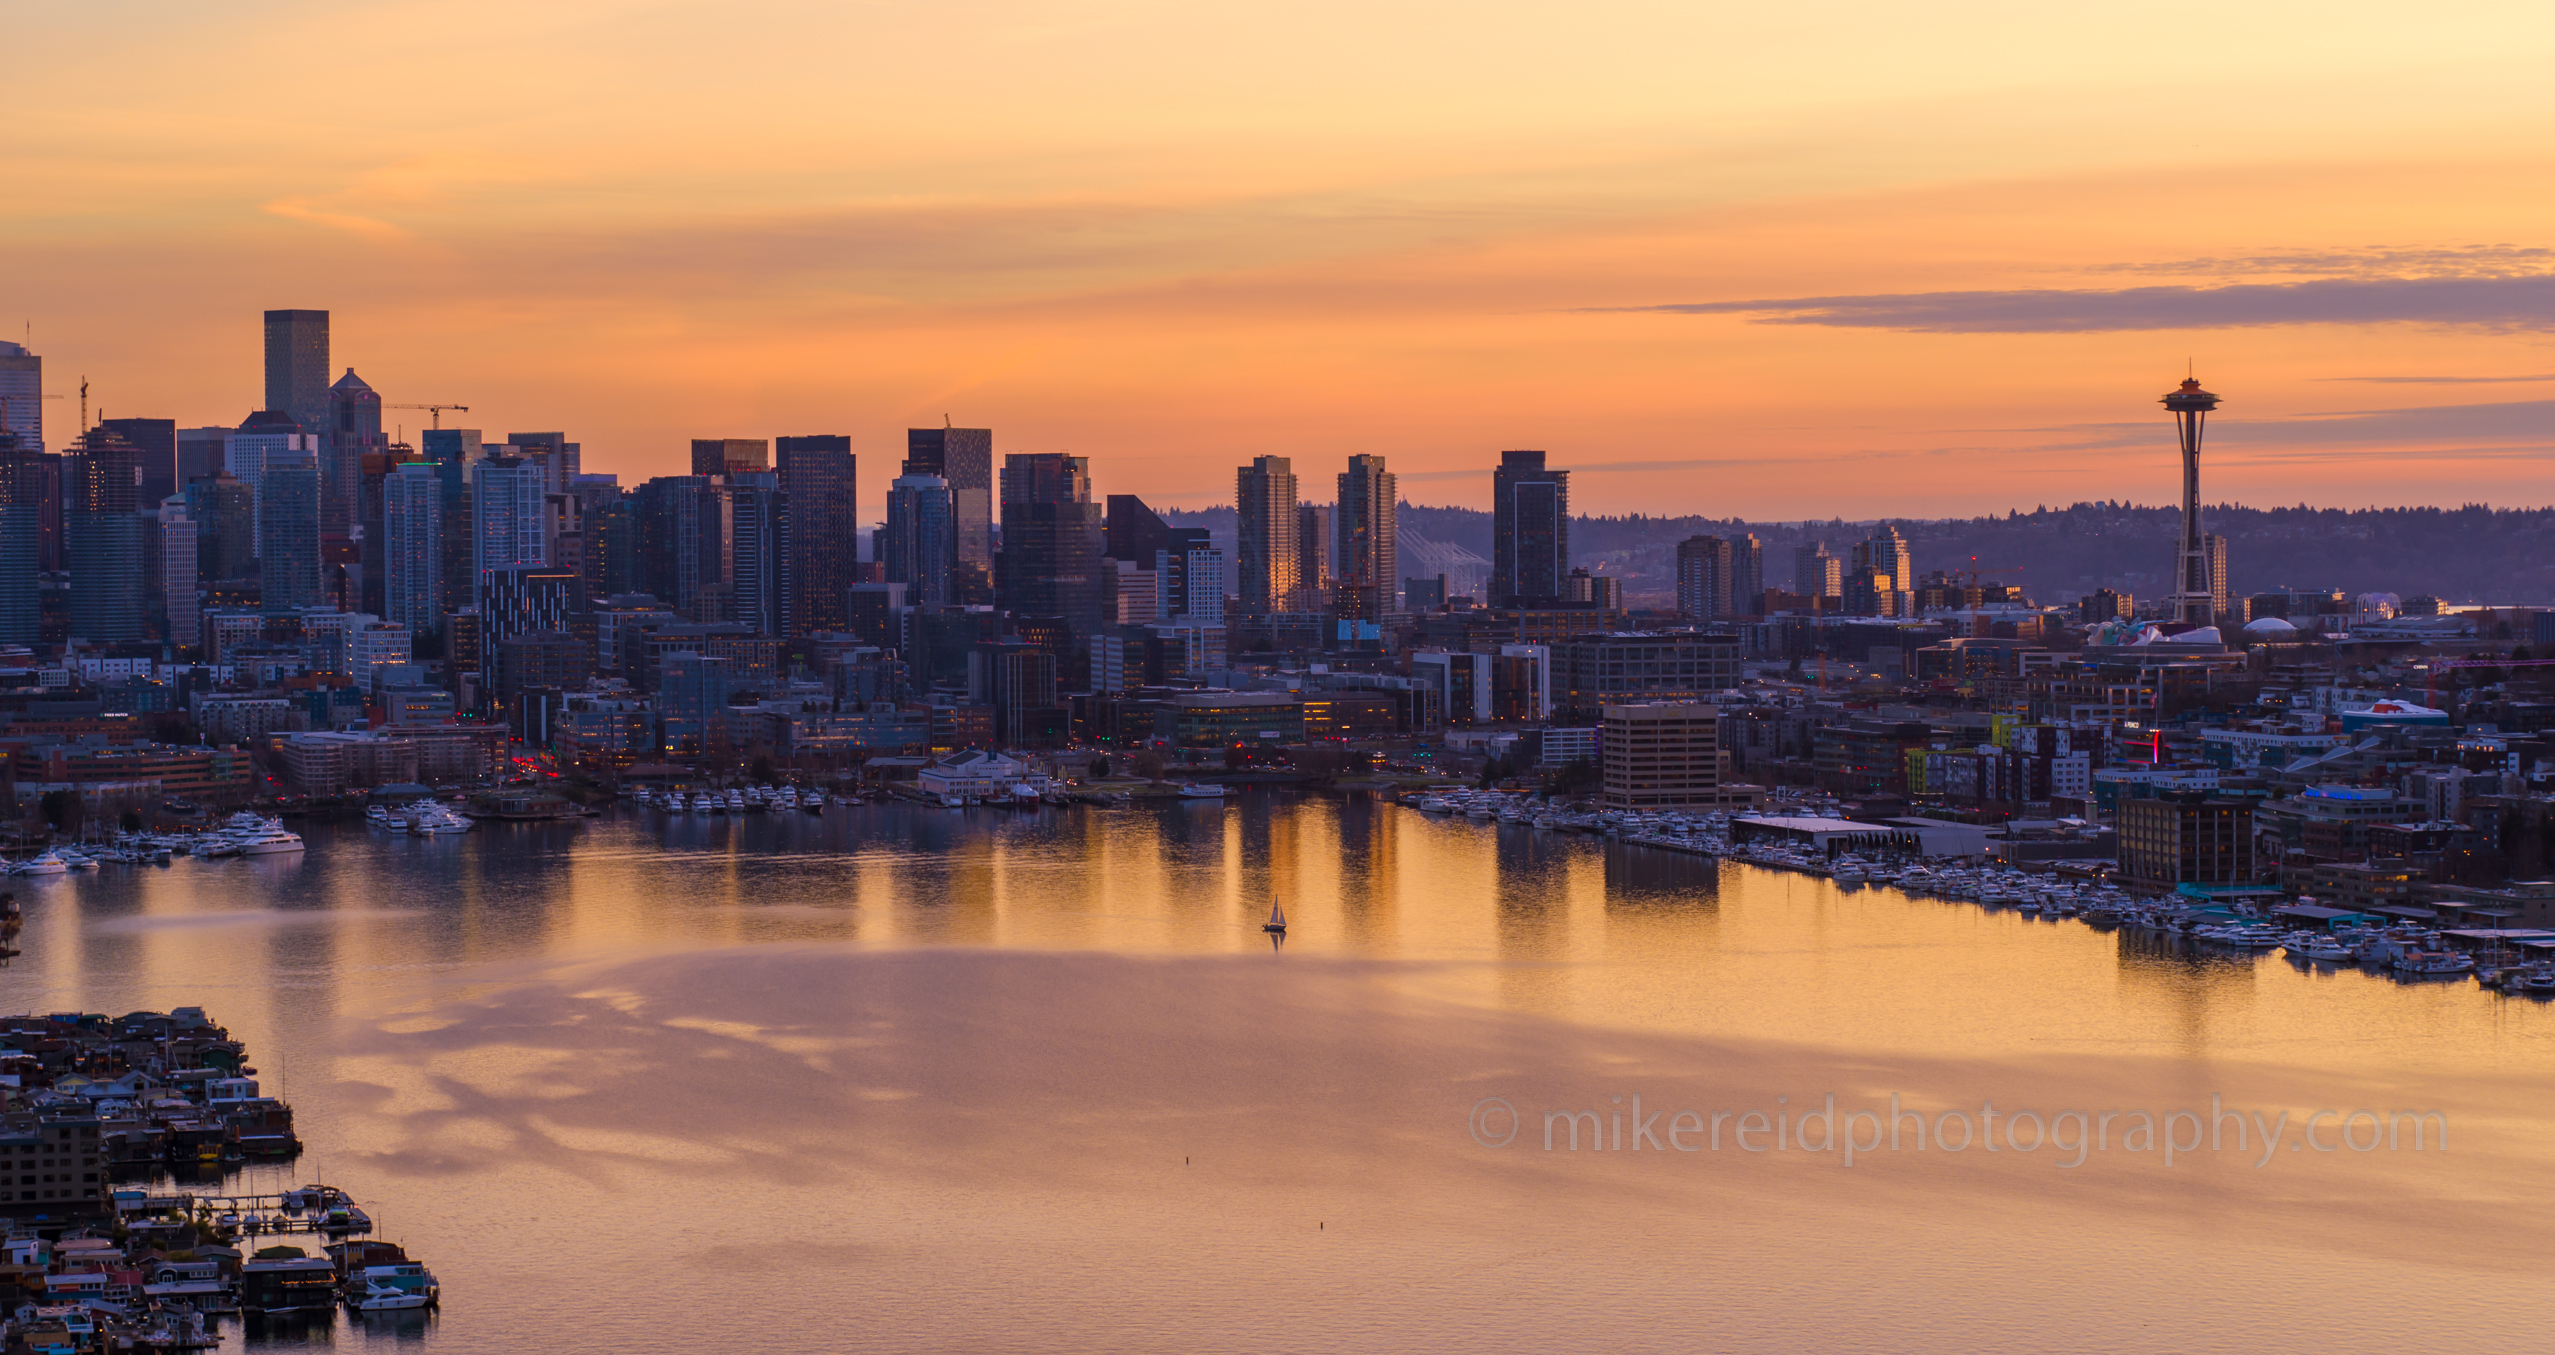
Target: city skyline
<point>1937,272</point>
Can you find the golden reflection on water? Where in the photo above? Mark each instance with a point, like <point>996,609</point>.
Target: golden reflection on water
<point>891,1040</point>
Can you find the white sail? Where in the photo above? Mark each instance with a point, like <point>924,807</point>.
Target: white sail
<point>1277,916</point>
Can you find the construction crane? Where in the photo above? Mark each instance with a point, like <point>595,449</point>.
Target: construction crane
<point>437,410</point>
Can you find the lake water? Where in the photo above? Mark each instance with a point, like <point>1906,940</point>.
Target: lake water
<point>906,1079</point>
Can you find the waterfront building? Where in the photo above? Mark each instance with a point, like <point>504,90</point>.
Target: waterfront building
<point>2170,838</point>
<point>1659,755</point>
<point>964,459</point>
<point>820,476</point>
<point>1530,531</point>
<point>1266,554</point>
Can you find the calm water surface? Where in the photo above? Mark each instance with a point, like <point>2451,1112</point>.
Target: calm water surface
<point>904,1079</point>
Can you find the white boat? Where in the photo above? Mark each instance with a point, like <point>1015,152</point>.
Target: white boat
<point>272,842</point>
<point>1200,790</point>
<point>1276,925</point>
<point>48,864</point>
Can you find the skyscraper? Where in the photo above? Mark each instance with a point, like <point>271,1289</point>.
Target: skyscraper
<point>200,454</point>
<point>21,606</point>
<point>413,556</point>
<point>759,536</point>
<point>35,484</point>
<point>608,565</point>
<point>819,474</point>
<point>109,593</point>
<point>178,566</point>
<point>1530,531</point>
<point>2213,548</point>
<point>354,432</point>
<point>507,514</point>
<point>288,554</point>
<point>269,437</point>
<point>917,544</point>
<point>1313,563</point>
<point>965,458</point>
<point>297,366</point>
<point>1747,575</point>
<point>680,544</point>
<point>715,457</point>
<point>1052,537</point>
<point>22,396</point>
<point>1369,568</point>
<point>562,461</point>
<point>452,452</point>
<point>1815,573</point>
<point>225,513</point>
<point>1703,578</point>
<point>1885,551</point>
<point>154,444</point>
<point>1266,555</point>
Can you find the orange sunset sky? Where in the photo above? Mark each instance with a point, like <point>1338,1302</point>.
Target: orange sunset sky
<point>1765,260</point>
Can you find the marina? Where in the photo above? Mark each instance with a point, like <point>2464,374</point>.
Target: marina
<point>129,1225</point>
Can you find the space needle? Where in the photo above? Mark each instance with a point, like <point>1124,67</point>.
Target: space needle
<point>2194,598</point>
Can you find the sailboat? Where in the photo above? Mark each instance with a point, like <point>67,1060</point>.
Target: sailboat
<point>1276,925</point>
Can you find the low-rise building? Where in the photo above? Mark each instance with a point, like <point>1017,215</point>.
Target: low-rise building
<point>1662,755</point>
<point>324,764</point>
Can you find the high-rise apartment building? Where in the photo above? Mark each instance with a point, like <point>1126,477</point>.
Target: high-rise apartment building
<point>354,432</point>
<point>154,444</point>
<point>715,457</point>
<point>917,545</point>
<point>35,483</point>
<point>608,564</point>
<point>1190,579</point>
<point>109,591</point>
<point>288,551</point>
<point>1885,551</point>
<point>1705,578</point>
<point>21,593</point>
<point>819,474</point>
<point>1530,531</point>
<point>297,367</point>
<point>22,396</point>
<point>1314,562</point>
<point>964,457</point>
<point>1369,566</point>
<point>509,524</point>
<point>412,555</point>
<point>1052,537</point>
<point>180,604</point>
<point>1266,555</point>
<point>760,529</point>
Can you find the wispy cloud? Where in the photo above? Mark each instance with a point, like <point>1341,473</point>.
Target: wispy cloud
<point>2519,302</point>
<point>303,209</point>
<point>2441,380</point>
<point>2509,424</point>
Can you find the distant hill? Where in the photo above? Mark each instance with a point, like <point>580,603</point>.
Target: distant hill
<point>2470,554</point>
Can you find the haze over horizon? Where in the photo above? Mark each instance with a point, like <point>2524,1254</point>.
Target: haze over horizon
<point>1833,260</point>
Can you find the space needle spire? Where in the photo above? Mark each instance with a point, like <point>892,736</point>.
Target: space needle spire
<point>2195,594</point>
